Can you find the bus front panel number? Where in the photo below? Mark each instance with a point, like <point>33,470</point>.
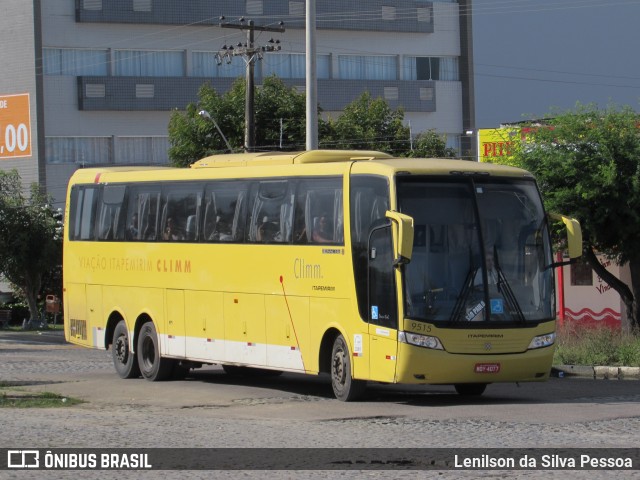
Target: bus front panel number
<point>420,327</point>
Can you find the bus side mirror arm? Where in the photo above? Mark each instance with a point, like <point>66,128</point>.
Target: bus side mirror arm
<point>574,234</point>
<point>403,237</point>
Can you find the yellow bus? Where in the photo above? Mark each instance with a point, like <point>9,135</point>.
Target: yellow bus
<point>351,263</point>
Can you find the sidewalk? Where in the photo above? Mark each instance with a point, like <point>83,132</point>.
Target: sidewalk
<point>597,372</point>
<point>33,337</point>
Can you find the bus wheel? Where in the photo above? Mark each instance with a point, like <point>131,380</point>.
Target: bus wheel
<point>124,360</point>
<point>470,389</point>
<point>345,388</point>
<point>152,366</point>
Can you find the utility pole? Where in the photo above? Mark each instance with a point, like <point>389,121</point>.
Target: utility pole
<point>251,54</point>
<point>312,76</point>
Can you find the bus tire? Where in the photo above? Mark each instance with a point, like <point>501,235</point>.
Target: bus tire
<point>152,366</point>
<point>345,388</point>
<point>124,360</point>
<point>470,389</point>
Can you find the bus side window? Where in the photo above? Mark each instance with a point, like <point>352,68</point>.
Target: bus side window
<point>238,207</point>
<point>143,213</point>
<point>319,212</point>
<point>110,219</point>
<point>82,212</point>
<point>271,212</point>
<point>224,216</point>
<point>180,213</point>
<point>210,217</point>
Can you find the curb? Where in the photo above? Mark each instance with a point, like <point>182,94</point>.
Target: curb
<point>596,372</point>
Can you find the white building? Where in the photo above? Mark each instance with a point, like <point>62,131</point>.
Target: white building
<point>102,76</point>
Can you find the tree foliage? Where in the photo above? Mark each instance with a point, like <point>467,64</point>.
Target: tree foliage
<point>587,163</point>
<point>368,124</point>
<point>430,144</point>
<point>30,238</point>
<point>279,111</point>
<point>280,118</point>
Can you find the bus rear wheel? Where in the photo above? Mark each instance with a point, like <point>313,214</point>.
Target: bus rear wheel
<point>470,389</point>
<point>152,366</point>
<point>345,388</point>
<point>124,360</point>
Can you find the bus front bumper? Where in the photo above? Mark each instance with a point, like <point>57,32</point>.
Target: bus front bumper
<point>417,365</point>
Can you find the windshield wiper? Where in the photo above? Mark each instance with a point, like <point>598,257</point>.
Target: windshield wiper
<point>505,288</point>
<point>464,294</point>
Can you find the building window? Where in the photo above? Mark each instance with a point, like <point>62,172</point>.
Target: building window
<point>296,9</point>
<point>431,68</point>
<point>204,64</point>
<point>425,14</point>
<point>254,7</point>
<point>145,90</point>
<point>92,4</point>
<point>139,63</point>
<point>94,90</point>
<point>374,67</point>
<point>391,93</point>
<point>293,65</point>
<point>79,150</point>
<point>141,150</point>
<point>141,5</point>
<point>74,62</point>
<point>581,273</point>
<point>388,13</point>
<point>426,94</point>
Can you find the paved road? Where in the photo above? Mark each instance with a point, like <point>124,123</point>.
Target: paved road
<point>210,409</point>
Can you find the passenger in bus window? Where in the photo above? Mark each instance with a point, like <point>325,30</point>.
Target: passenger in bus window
<point>149,232</point>
<point>322,230</point>
<point>171,232</point>
<point>132,231</point>
<point>266,231</point>
<point>222,231</point>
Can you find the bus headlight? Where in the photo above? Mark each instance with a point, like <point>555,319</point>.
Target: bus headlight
<point>418,340</point>
<point>542,341</point>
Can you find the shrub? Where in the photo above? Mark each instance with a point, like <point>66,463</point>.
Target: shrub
<point>596,346</point>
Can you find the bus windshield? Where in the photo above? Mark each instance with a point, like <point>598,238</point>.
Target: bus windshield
<point>481,251</point>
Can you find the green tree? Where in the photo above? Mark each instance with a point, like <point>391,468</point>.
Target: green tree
<point>587,163</point>
<point>276,103</point>
<point>279,117</point>
<point>30,238</point>
<point>430,144</point>
<point>368,124</point>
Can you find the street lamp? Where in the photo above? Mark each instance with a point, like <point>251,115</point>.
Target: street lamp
<point>204,114</point>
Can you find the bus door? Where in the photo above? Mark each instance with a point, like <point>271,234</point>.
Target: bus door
<point>383,305</point>
<point>174,324</point>
<point>94,315</point>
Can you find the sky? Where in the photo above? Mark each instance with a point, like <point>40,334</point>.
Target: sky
<point>533,57</point>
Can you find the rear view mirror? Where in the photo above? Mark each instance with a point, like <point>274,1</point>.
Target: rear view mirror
<point>574,234</point>
<point>403,236</point>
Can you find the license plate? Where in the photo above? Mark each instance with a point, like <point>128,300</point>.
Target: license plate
<point>487,368</point>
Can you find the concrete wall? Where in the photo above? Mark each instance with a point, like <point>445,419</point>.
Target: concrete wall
<point>18,65</point>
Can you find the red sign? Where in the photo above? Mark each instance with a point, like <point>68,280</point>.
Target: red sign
<point>487,368</point>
